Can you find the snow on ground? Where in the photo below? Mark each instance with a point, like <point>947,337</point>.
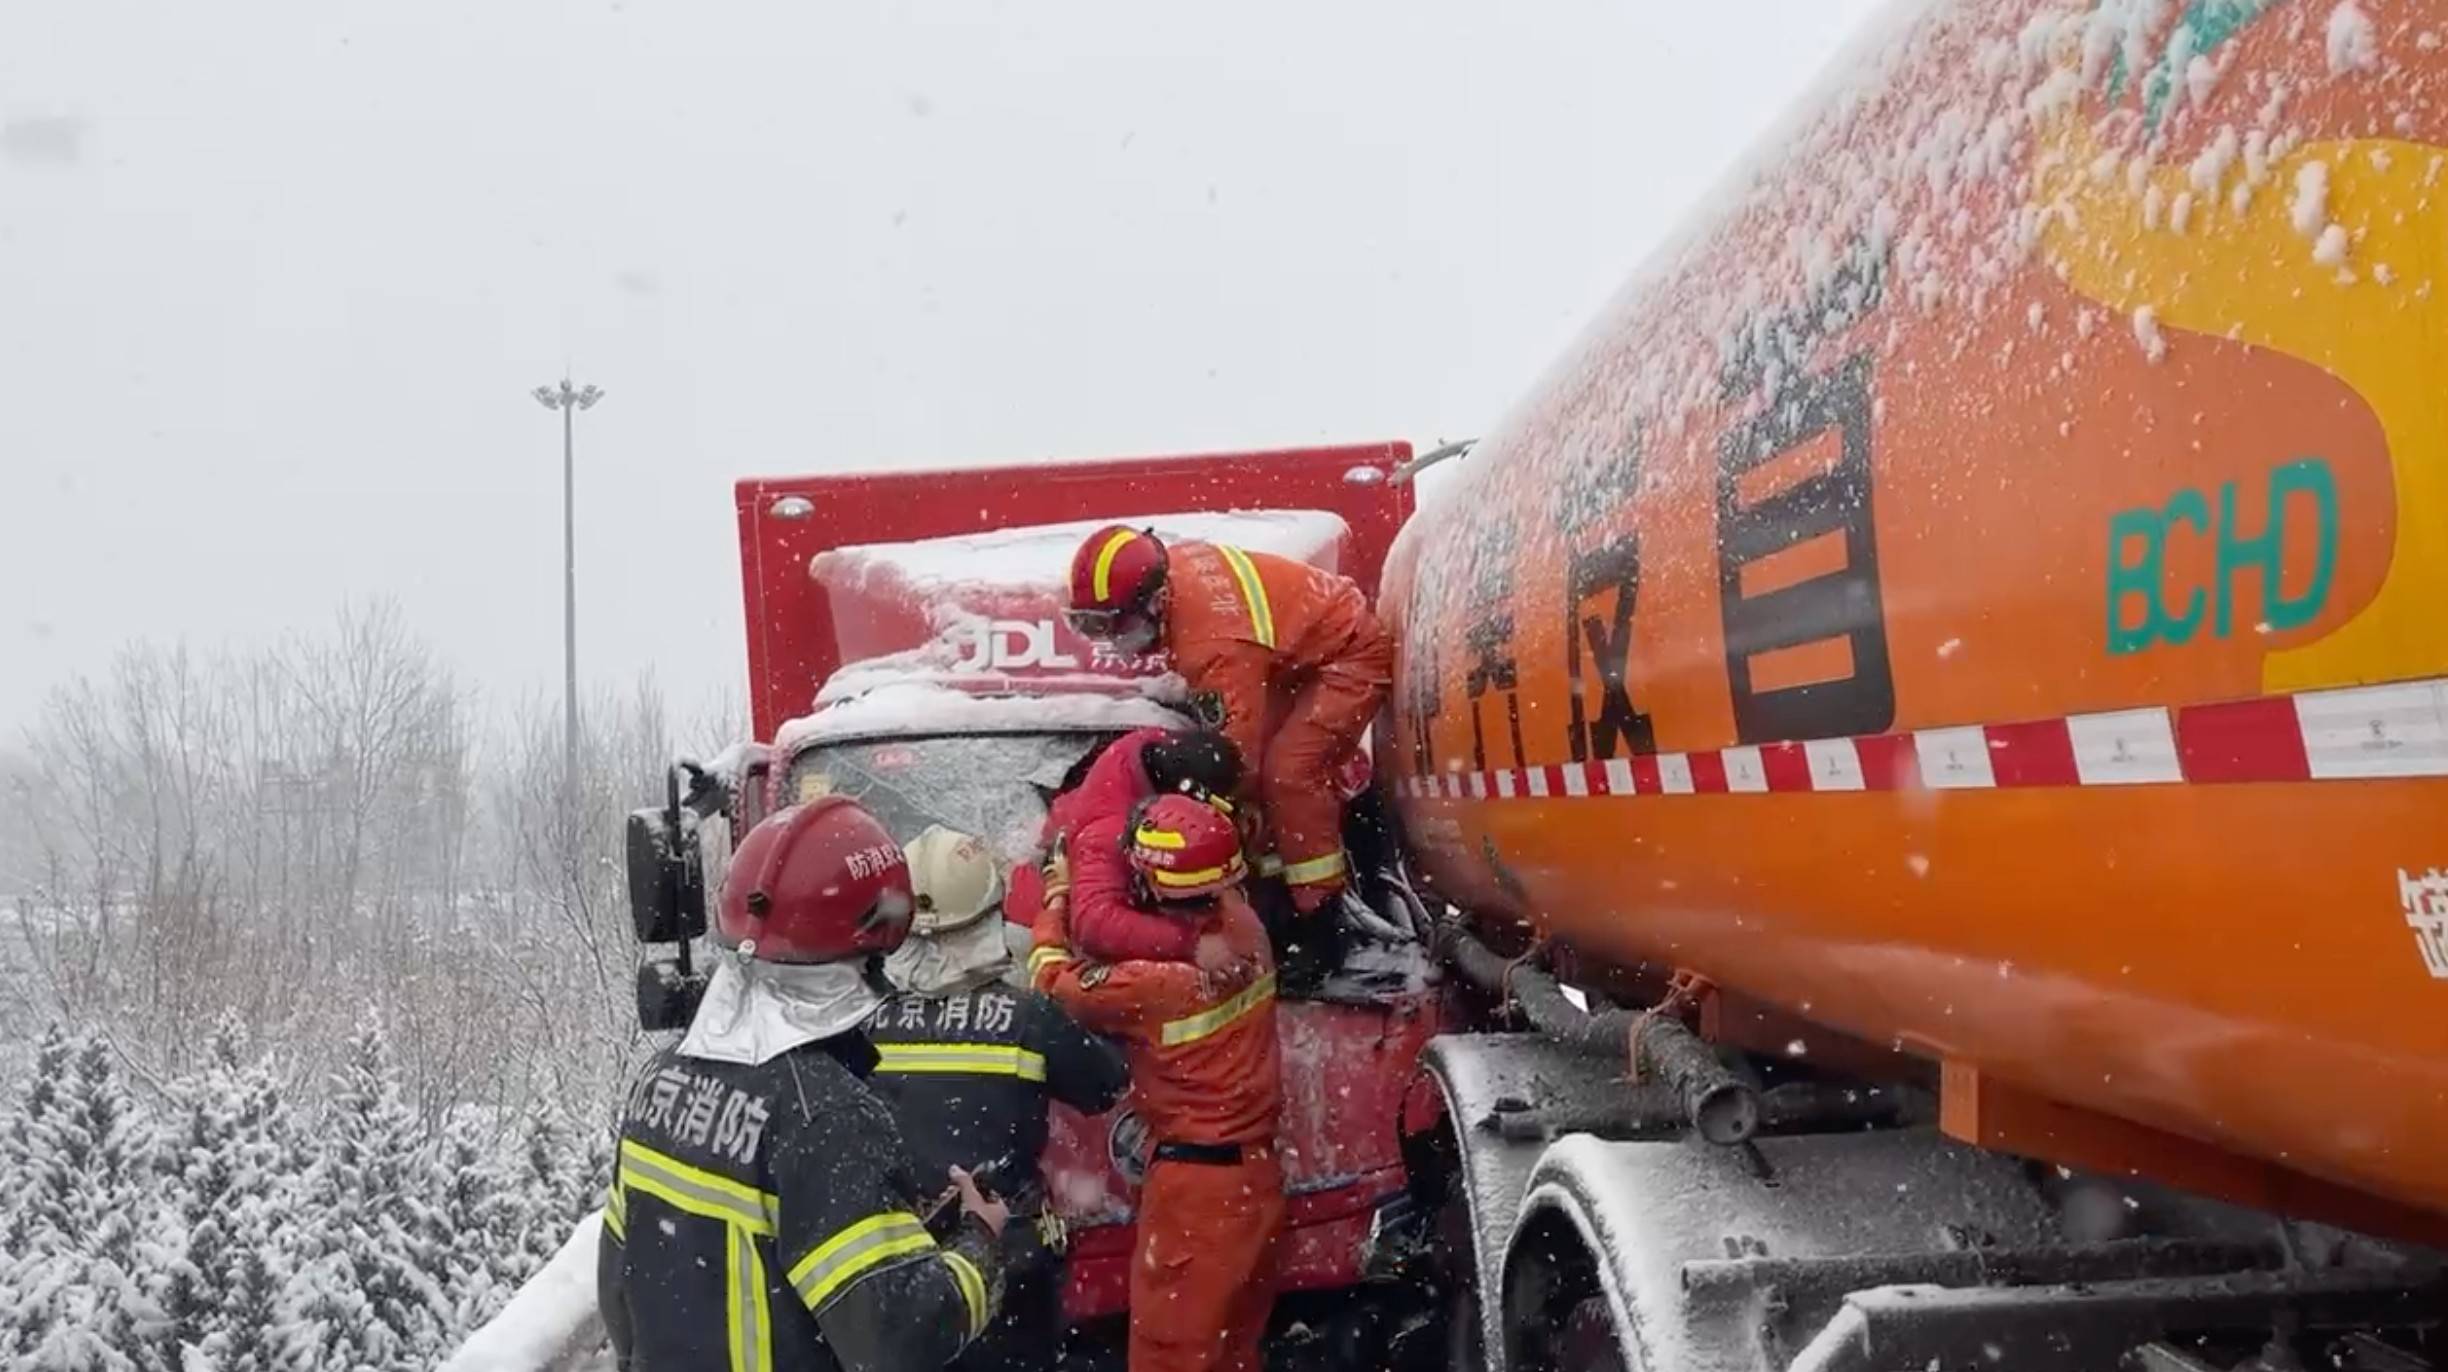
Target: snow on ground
<point>551,1325</point>
<point>920,707</point>
<point>1039,555</point>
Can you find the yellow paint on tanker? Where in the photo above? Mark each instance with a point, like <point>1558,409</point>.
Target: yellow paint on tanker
<point>1983,591</point>
<point>2370,318</point>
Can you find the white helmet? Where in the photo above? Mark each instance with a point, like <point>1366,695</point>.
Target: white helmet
<point>955,879</point>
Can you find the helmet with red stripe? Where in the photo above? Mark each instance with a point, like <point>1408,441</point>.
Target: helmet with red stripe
<point>1115,577</point>
<point>1185,848</point>
<point>819,882</point>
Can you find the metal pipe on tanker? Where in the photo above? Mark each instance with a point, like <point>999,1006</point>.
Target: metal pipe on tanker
<point>1722,1109</point>
<point>1410,470</point>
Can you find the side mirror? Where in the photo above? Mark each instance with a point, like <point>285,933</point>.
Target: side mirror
<point>667,898</point>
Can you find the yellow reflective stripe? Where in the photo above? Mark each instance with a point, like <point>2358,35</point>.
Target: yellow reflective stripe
<point>1207,1021</point>
<point>1042,958</point>
<point>744,1296</point>
<point>695,1190</point>
<point>1200,877</point>
<point>972,1288</point>
<point>1270,866</point>
<point>1114,543</point>
<point>1315,869</point>
<point>1262,615</point>
<point>1160,838</point>
<point>983,1059</point>
<point>854,1252</point>
<point>616,1210</point>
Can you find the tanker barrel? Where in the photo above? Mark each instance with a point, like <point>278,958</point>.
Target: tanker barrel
<point>1721,1107</point>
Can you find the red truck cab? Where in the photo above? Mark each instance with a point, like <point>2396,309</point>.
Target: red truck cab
<point>907,647</point>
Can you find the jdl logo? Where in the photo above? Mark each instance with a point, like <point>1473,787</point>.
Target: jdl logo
<point>2145,610</point>
<point>1002,645</point>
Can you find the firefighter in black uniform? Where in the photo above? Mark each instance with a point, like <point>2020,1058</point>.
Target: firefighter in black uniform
<point>765,1215</point>
<point>968,1064</point>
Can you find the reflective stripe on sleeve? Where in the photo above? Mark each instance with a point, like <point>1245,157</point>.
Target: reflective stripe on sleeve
<point>744,1298</point>
<point>616,1210</point>
<point>1192,1028</point>
<point>856,1251</point>
<point>972,1289</point>
<point>1047,956</point>
<point>696,1190</point>
<point>1253,592</point>
<point>980,1059</point>
<point>1314,870</point>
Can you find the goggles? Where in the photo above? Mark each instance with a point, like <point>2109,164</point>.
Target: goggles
<point>1096,624</point>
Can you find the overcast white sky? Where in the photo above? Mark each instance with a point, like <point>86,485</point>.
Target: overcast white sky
<point>277,275</point>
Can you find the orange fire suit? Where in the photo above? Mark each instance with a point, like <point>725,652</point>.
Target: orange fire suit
<point>1207,1078</point>
<point>1300,666</point>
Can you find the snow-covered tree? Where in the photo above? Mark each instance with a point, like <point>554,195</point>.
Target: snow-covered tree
<point>81,1305</point>
<point>325,1321</point>
<point>221,1172</point>
<point>248,1339</point>
<point>371,1261</point>
<point>480,1214</point>
<point>19,1140</point>
<point>565,1170</point>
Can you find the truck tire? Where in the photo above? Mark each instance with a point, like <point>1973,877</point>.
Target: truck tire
<point>1433,1163</point>
<point>1587,1342</point>
<point>1556,1314</point>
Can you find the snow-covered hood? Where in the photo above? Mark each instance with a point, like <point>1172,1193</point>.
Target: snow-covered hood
<point>756,1011</point>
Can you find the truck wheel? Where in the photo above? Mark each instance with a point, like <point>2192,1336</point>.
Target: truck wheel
<point>1587,1342</point>
<point>1465,1337</point>
<point>1556,1317</point>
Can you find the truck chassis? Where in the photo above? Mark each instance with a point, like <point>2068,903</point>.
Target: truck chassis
<point>1588,1227</point>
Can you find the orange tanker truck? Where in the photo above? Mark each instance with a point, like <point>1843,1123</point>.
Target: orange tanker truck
<point>1965,634</point>
<point>1921,746</point>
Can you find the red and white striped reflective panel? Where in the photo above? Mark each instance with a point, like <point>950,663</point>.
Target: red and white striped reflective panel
<point>2361,732</point>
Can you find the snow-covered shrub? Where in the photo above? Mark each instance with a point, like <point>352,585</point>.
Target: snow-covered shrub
<point>210,1226</point>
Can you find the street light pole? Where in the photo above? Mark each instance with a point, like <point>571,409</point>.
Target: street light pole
<point>569,400</point>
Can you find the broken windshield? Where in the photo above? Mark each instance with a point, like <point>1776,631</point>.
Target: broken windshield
<point>992,785</point>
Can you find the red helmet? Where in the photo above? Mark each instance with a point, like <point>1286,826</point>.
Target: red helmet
<point>1185,848</point>
<point>819,882</point>
<point>1114,575</point>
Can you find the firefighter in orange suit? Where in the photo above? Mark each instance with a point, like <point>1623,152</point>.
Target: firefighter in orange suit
<point>1292,655</point>
<point>1206,1078</point>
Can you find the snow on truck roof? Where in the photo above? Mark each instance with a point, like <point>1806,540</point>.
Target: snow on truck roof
<point>910,709</point>
<point>1039,555</point>
<point>958,682</point>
